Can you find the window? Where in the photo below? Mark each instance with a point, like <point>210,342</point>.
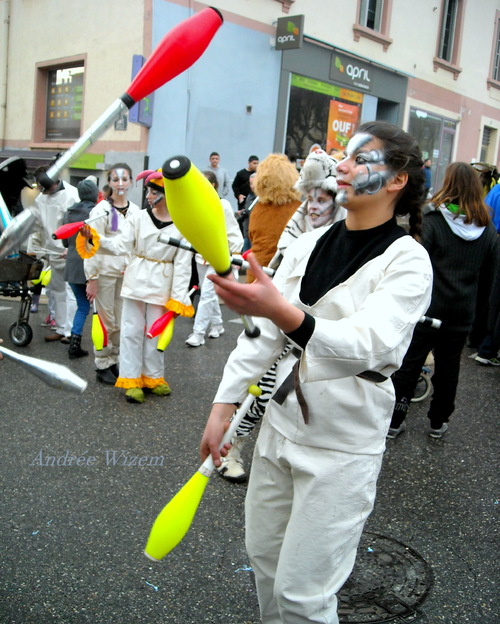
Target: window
<point>449,37</point>
<point>64,103</point>
<point>320,113</point>
<point>373,21</point>
<point>59,101</point>
<point>370,13</point>
<point>435,136</point>
<point>448,30</point>
<point>494,79</point>
<point>488,145</point>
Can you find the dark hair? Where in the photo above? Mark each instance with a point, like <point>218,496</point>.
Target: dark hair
<point>214,154</point>
<point>119,165</point>
<point>252,157</point>
<point>402,154</point>
<point>212,178</point>
<point>462,186</point>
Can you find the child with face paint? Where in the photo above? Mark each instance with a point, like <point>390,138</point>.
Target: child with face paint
<point>348,298</point>
<point>318,184</point>
<point>105,273</point>
<point>156,280</point>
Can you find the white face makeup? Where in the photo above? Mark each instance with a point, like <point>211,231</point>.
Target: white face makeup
<point>120,181</point>
<point>370,171</point>
<point>320,206</point>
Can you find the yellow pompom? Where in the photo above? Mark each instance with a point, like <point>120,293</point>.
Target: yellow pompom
<point>84,247</point>
<point>179,308</point>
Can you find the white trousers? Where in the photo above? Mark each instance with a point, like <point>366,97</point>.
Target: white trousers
<point>305,512</point>
<point>208,311</point>
<point>138,354</point>
<point>64,301</point>
<point>109,306</point>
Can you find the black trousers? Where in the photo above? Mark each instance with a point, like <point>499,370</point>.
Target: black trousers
<point>447,348</point>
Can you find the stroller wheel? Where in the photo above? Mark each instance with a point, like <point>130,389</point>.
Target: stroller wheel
<point>21,334</point>
<point>423,388</point>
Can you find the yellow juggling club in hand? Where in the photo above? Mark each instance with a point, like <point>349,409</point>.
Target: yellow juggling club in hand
<point>197,212</point>
<point>174,520</point>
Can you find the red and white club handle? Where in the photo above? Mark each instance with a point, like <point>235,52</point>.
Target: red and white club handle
<point>180,48</point>
<point>69,229</point>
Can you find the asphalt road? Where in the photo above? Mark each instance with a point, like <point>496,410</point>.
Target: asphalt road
<point>73,535</point>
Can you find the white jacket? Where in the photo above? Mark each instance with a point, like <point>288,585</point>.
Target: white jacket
<point>156,272</point>
<point>112,266</point>
<point>364,323</point>
<point>49,211</point>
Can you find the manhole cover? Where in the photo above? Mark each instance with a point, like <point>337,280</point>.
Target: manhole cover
<point>388,583</point>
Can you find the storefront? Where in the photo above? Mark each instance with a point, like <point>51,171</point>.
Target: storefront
<point>436,137</point>
<point>325,94</point>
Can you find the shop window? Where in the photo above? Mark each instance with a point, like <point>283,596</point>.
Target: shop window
<point>435,136</point>
<point>373,21</point>
<point>450,35</point>
<point>494,79</point>
<point>321,114</point>
<point>59,101</point>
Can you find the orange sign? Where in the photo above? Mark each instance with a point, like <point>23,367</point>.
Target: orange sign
<point>342,122</point>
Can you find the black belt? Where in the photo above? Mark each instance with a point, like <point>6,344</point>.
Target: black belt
<point>292,382</point>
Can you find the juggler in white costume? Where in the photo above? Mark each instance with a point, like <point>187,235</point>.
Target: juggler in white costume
<point>312,485</point>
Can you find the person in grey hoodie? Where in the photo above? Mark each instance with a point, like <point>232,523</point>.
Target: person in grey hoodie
<point>73,271</point>
<point>462,244</point>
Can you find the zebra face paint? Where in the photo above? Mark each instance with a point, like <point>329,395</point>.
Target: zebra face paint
<point>320,206</point>
<point>370,172</point>
<point>120,181</point>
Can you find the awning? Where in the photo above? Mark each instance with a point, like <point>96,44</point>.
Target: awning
<point>32,158</point>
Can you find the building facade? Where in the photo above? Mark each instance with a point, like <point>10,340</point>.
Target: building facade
<point>279,75</point>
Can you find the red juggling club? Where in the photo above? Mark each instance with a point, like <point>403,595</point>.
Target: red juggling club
<point>180,48</point>
<point>159,325</point>
<point>67,230</point>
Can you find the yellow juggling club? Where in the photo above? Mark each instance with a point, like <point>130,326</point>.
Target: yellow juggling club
<point>165,337</point>
<point>197,212</point>
<point>174,520</point>
<point>98,331</point>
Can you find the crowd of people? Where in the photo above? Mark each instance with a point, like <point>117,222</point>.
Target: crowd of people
<point>340,348</point>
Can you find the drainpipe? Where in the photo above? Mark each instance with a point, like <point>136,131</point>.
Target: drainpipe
<point>4,53</point>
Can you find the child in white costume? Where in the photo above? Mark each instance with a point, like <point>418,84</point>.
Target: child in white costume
<point>105,273</point>
<point>156,280</point>
<point>348,298</point>
<point>208,314</point>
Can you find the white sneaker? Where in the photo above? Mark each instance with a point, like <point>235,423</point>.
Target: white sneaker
<point>232,468</point>
<point>216,331</point>
<point>438,433</point>
<point>195,340</point>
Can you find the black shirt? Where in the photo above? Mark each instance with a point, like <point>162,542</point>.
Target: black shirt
<point>338,254</point>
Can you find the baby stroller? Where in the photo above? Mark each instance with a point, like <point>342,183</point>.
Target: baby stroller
<point>15,273</point>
